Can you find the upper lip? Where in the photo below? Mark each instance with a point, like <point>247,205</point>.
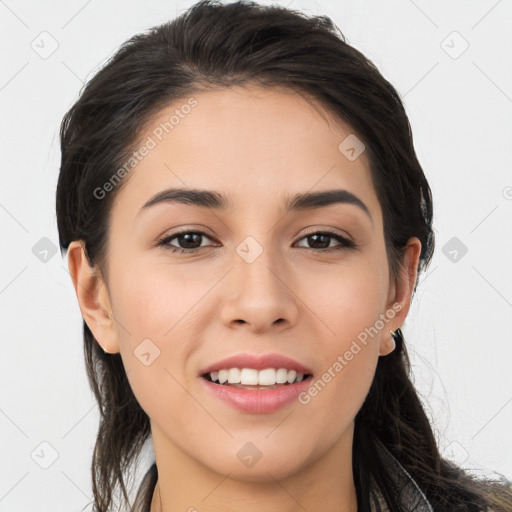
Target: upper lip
<point>258,362</point>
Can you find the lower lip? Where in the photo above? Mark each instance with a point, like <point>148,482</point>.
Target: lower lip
<point>258,401</point>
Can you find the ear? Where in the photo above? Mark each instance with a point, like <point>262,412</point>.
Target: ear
<point>400,293</point>
<point>92,294</point>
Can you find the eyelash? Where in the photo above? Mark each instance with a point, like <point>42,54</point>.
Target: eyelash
<point>344,242</point>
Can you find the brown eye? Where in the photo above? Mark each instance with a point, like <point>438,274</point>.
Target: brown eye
<point>188,241</point>
<point>321,241</point>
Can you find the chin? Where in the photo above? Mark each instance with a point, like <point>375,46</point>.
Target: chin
<point>265,470</point>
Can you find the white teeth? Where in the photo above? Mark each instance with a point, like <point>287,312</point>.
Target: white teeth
<point>252,377</point>
<point>281,376</point>
<point>234,376</point>
<point>248,377</point>
<point>291,376</point>
<point>223,376</point>
<point>267,377</point>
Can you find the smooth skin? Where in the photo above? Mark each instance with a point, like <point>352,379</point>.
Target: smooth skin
<point>257,146</point>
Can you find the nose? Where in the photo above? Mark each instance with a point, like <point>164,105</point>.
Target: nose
<point>260,292</point>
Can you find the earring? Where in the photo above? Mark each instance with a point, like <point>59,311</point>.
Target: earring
<point>397,334</point>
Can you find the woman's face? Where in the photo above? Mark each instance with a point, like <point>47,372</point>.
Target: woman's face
<point>258,284</point>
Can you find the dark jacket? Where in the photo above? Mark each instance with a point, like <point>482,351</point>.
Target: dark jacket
<point>412,498</point>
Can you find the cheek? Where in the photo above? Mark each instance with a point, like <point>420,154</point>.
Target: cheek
<point>155,302</point>
<point>159,308</point>
<point>156,331</point>
<point>351,344</point>
<point>350,299</point>
<point>351,304</point>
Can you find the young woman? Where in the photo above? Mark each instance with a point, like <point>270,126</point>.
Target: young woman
<point>245,220</point>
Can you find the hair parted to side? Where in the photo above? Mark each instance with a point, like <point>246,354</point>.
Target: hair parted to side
<point>212,46</point>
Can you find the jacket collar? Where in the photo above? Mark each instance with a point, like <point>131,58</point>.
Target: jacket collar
<point>411,497</point>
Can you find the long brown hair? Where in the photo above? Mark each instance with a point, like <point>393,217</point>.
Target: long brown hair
<point>212,46</point>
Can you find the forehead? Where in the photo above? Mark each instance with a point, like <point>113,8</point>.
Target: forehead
<point>256,145</point>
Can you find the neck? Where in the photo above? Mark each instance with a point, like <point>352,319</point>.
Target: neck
<point>185,485</point>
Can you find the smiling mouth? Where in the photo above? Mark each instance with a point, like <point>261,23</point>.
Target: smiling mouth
<point>269,380</point>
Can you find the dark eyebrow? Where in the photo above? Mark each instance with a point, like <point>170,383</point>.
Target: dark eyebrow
<point>311,200</point>
<point>216,201</point>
